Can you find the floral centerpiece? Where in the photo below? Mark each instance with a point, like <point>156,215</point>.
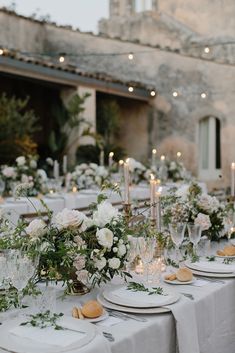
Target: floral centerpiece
<point>24,171</point>
<point>73,247</point>
<point>89,175</point>
<point>175,170</point>
<point>190,204</point>
<point>138,171</point>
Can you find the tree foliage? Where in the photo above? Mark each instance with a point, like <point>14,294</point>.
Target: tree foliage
<point>17,127</point>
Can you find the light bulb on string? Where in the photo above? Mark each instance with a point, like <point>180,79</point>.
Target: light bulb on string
<point>130,56</point>
<point>1,51</point>
<point>175,94</point>
<point>203,95</point>
<point>152,93</point>
<point>130,89</point>
<point>206,50</point>
<point>62,58</point>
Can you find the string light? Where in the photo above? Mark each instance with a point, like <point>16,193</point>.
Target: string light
<point>62,59</point>
<point>178,154</point>
<point>130,56</point>
<point>203,95</point>
<point>1,51</point>
<point>175,94</point>
<point>152,93</point>
<point>131,89</point>
<point>206,50</point>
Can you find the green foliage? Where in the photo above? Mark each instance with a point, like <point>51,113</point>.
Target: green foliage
<point>108,120</point>
<point>65,120</point>
<point>87,153</point>
<point>17,127</point>
<point>43,320</point>
<point>139,287</point>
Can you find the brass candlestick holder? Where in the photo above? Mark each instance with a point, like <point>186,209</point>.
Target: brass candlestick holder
<point>153,223</point>
<point>231,199</point>
<point>127,211</point>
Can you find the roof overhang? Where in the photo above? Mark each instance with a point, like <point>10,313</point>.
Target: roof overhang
<point>59,76</point>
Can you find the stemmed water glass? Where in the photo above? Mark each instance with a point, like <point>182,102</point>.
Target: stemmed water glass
<point>21,268</point>
<point>194,232</point>
<point>146,250</point>
<point>177,231</point>
<point>132,252</point>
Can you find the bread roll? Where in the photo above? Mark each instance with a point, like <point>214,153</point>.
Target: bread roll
<point>229,250</point>
<point>75,313</point>
<point>92,309</point>
<point>220,253</point>
<point>184,275</point>
<point>170,277</point>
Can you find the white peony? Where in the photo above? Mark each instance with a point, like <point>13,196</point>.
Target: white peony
<point>104,214</point>
<point>208,203</point>
<point>42,174</point>
<point>102,172</point>
<point>121,250</point>
<point>203,221</point>
<point>71,219</point>
<point>50,161</point>
<point>134,165</point>
<point>33,164</point>
<point>36,228</point>
<point>100,263</point>
<point>9,172</point>
<point>105,237</point>
<point>114,263</point>
<point>183,192</point>
<point>20,161</point>
<point>82,276</point>
<point>24,178</point>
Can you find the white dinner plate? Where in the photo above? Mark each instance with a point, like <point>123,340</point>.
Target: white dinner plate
<point>213,274</point>
<point>130,310</point>
<point>177,282</point>
<point>225,257</point>
<point>24,343</point>
<point>210,266</point>
<point>120,295</point>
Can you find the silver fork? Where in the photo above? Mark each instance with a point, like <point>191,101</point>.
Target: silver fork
<point>108,336</point>
<point>125,316</point>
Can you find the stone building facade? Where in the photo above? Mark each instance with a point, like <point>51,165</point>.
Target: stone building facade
<point>180,50</point>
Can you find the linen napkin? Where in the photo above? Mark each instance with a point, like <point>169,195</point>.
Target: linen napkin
<point>186,325</point>
<point>49,335</point>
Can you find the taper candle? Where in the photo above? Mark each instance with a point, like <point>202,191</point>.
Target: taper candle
<point>159,213</point>
<point>232,178</point>
<point>111,154</point>
<point>153,197</point>
<point>126,182</point>
<point>65,163</point>
<point>154,154</point>
<point>102,157</point>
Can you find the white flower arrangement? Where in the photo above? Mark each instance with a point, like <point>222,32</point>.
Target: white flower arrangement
<point>189,204</point>
<point>86,176</point>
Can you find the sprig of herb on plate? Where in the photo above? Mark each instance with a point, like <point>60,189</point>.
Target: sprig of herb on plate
<point>43,320</point>
<point>139,287</point>
<point>195,258</point>
<point>210,258</point>
<point>228,261</point>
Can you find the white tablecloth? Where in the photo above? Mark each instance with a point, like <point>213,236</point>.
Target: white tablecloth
<point>215,316</point>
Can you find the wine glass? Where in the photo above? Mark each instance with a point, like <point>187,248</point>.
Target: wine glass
<point>3,268</point>
<point>132,252</point>
<point>147,249</point>
<point>21,268</point>
<point>177,231</point>
<point>195,232</point>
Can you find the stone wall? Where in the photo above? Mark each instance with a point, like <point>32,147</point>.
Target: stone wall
<point>174,118</point>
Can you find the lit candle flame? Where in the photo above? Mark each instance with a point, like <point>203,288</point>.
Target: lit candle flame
<point>163,158</point>
<point>111,154</point>
<point>154,151</point>
<point>121,162</point>
<point>178,154</point>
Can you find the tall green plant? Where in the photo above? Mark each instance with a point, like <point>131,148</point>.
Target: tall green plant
<point>65,119</point>
<point>17,127</point>
<point>108,120</point>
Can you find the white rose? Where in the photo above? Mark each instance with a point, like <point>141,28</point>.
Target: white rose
<point>121,250</point>
<point>208,203</point>
<point>100,263</point>
<point>105,237</point>
<point>89,172</point>
<point>93,166</point>
<point>50,161</point>
<point>104,214</point>
<point>71,219</point>
<point>102,172</point>
<point>203,221</point>
<point>114,263</point>
<point>24,178</point>
<point>9,172</point>
<point>79,262</point>
<point>20,161</point>
<point>33,164</point>
<point>42,174</point>
<point>183,192</point>
<point>36,228</point>
<point>82,276</point>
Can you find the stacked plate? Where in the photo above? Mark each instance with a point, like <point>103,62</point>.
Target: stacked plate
<point>208,268</point>
<point>121,299</point>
